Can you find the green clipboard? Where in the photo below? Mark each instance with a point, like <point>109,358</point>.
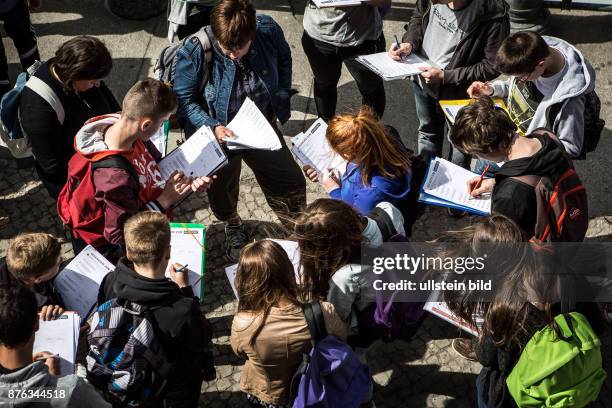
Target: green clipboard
<point>188,247</point>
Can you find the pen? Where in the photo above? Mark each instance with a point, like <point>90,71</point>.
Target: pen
<point>397,45</point>
<point>183,269</point>
<point>481,178</point>
<point>44,358</point>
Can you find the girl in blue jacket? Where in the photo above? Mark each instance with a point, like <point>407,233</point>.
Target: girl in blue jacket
<point>378,168</point>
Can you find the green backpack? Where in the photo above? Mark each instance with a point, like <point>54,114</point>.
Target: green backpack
<point>559,372</point>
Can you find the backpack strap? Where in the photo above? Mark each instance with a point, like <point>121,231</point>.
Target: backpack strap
<point>44,91</point>
<point>315,321</point>
<point>204,37</point>
<point>528,179</point>
<point>384,223</point>
<point>116,161</point>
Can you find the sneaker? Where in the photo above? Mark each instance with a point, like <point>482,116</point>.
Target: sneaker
<point>235,238</point>
<point>463,347</point>
<point>455,213</point>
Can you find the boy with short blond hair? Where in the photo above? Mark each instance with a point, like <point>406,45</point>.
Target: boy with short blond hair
<point>180,326</point>
<point>33,261</point>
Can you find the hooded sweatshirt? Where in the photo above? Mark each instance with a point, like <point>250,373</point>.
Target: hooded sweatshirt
<point>517,200</point>
<point>563,110</point>
<point>36,377</point>
<point>180,325</point>
<point>116,189</point>
<point>364,198</point>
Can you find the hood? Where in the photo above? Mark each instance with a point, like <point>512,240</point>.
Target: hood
<point>33,376</point>
<point>545,162</point>
<point>579,77</point>
<point>89,140</point>
<point>131,286</point>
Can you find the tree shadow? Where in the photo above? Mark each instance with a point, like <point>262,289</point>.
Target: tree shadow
<point>594,28</point>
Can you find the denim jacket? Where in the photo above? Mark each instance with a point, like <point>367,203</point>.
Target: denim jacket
<point>269,57</point>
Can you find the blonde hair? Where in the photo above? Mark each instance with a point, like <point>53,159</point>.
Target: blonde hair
<point>147,236</point>
<point>363,140</point>
<point>31,254</point>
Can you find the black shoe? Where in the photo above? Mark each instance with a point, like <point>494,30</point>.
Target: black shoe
<point>455,213</point>
<point>236,237</point>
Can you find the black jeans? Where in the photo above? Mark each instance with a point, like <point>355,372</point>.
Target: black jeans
<point>326,63</point>
<point>18,26</point>
<point>278,175</point>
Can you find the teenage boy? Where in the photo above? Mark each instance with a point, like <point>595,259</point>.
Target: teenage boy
<point>250,58</point>
<point>460,37</point>
<point>33,261</point>
<point>487,132</point>
<point>24,377</point>
<point>137,184</point>
<point>180,326</point>
<point>551,84</point>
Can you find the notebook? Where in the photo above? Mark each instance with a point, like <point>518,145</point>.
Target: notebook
<point>445,184</point>
<point>312,148</point>
<point>388,69</point>
<point>187,244</point>
<point>60,336</point>
<point>452,107</point>
<point>336,3</point>
<point>252,130</point>
<point>200,155</point>
<point>79,282</point>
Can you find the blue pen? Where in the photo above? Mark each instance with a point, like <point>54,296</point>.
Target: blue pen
<point>398,46</point>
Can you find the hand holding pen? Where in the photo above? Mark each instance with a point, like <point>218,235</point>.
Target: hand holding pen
<point>478,186</point>
<point>399,51</point>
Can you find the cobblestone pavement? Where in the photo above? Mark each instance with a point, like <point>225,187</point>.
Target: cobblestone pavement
<point>421,373</point>
<point>424,372</point>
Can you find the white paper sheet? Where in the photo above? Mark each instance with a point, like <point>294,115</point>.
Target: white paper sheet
<point>79,282</point>
<point>448,181</point>
<point>337,3</point>
<point>159,140</point>
<point>293,252</point>
<point>187,248</point>
<point>200,155</point>
<point>60,336</point>
<point>387,68</point>
<point>312,148</point>
<point>252,129</point>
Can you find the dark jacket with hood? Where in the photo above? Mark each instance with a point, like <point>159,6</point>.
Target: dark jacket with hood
<point>516,199</point>
<point>474,58</point>
<point>181,328</point>
<point>45,292</point>
<point>52,141</point>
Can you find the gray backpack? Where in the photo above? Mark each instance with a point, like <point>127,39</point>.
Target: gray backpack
<point>166,63</point>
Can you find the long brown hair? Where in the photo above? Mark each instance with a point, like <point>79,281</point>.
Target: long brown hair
<point>508,318</point>
<point>361,138</point>
<point>329,234</point>
<point>265,276</point>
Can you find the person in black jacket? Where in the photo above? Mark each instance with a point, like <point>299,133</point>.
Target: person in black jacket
<point>461,37</point>
<point>181,328</point>
<point>33,261</point>
<point>75,76</point>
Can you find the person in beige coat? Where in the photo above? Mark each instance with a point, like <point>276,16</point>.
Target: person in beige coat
<point>269,330</point>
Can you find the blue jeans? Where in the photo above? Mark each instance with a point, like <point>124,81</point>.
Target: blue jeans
<point>432,129</point>
<point>481,165</point>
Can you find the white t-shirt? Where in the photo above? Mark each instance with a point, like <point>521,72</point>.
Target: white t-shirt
<point>548,85</point>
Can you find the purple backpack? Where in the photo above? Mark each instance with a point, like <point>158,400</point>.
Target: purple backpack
<point>390,320</point>
<point>330,375</point>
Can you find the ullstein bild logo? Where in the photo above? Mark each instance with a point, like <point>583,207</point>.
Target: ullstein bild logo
<point>405,262</point>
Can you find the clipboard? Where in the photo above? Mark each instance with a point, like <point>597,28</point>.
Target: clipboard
<point>188,247</point>
<point>452,107</point>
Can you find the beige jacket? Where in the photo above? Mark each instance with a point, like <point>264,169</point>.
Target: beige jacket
<point>277,353</point>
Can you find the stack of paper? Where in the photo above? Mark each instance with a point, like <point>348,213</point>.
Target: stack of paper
<point>312,149</point>
<point>79,282</point>
<point>336,3</point>
<point>200,155</point>
<point>160,140</point>
<point>61,337</point>
<point>291,248</point>
<point>446,185</point>
<point>451,108</point>
<point>187,244</point>
<point>389,69</point>
<point>251,130</point>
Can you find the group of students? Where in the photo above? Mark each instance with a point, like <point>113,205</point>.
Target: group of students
<point>102,168</point>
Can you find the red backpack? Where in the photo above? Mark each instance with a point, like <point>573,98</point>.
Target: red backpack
<point>76,205</point>
<point>562,205</point>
